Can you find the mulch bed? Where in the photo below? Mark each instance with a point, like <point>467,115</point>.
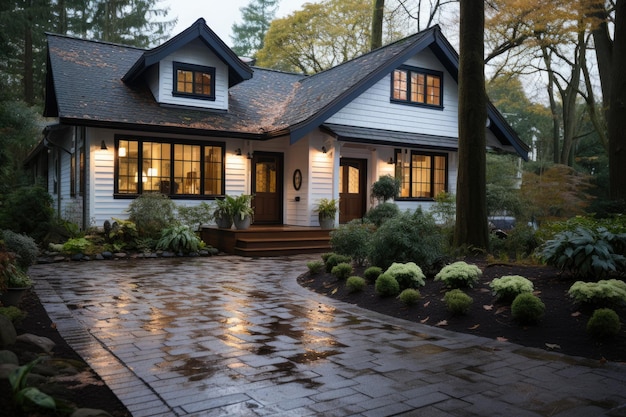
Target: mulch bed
<point>562,329</point>
<point>91,393</point>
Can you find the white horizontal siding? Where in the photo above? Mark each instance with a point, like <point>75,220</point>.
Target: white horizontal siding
<point>195,53</point>
<point>373,108</point>
<point>297,157</point>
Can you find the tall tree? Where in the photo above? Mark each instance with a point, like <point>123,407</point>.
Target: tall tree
<point>378,14</point>
<point>471,227</point>
<point>248,37</point>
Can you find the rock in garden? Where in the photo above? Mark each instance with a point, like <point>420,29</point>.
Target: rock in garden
<point>90,412</point>
<point>6,356</point>
<point>107,255</point>
<point>7,331</point>
<point>42,343</point>
<point>6,369</point>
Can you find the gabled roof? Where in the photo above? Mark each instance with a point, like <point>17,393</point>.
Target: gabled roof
<point>238,71</point>
<point>85,86</point>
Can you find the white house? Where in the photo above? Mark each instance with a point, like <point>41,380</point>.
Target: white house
<point>191,120</point>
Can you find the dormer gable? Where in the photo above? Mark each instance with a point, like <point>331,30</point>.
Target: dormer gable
<point>194,68</point>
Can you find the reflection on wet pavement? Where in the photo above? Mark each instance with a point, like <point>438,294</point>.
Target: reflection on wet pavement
<point>236,336</point>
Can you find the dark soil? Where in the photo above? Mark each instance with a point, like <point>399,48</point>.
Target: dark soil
<point>89,392</point>
<point>562,329</point>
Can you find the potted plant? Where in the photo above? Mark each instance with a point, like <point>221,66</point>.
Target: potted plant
<point>387,187</point>
<point>327,210</point>
<point>222,214</point>
<point>241,209</point>
<point>13,280</point>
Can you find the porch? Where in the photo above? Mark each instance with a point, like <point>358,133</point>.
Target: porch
<point>258,241</point>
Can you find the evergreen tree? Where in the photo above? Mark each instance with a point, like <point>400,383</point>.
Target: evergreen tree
<point>249,36</point>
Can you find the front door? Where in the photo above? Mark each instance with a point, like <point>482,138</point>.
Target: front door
<point>352,189</point>
<point>267,187</point>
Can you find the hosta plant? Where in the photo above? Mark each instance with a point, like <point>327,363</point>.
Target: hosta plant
<point>179,239</point>
<point>510,286</point>
<point>408,275</point>
<point>586,251</point>
<point>459,275</point>
<point>601,293</point>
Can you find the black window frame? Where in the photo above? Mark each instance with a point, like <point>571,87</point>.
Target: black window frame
<point>172,142</point>
<point>431,155</point>
<point>194,69</point>
<point>417,70</point>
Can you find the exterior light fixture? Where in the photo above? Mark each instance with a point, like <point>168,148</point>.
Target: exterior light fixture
<point>390,161</point>
<point>103,145</point>
<point>324,149</point>
<point>238,151</point>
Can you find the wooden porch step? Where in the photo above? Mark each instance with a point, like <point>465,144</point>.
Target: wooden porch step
<point>277,242</point>
<point>279,251</point>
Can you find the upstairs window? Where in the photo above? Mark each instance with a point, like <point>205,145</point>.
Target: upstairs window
<point>194,81</point>
<point>422,175</point>
<point>417,86</point>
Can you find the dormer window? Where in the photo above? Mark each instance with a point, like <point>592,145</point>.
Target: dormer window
<point>194,81</point>
<point>417,86</point>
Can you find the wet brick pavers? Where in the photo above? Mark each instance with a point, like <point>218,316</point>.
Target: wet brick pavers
<point>232,336</point>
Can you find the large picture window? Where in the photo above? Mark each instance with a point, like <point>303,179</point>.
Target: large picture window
<point>194,81</point>
<point>174,169</point>
<point>422,175</point>
<point>417,86</point>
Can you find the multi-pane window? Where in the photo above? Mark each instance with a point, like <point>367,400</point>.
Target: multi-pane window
<point>422,175</point>
<point>194,80</point>
<point>174,169</point>
<point>417,86</point>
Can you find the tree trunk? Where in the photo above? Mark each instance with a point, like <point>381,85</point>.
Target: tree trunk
<point>376,40</point>
<point>28,80</point>
<point>617,107</point>
<point>471,228</point>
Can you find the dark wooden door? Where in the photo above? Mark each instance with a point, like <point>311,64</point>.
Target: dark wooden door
<point>352,189</point>
<point>267,187</point>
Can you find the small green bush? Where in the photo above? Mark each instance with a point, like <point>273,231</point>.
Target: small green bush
<point>457,302</point>
<point>409,296</point>
<point>527,308</point>
<point>195,216</point>
<point>386,188</point>
<point>381,213</point>
<point>336,259</point>
<point>13,313</point>
<point>352,239</point>
<point>123,234</point>
<point>510,286</point>
<point>342,270</point>
<point>28,210</point>
<point>151,213</point>
<point>459,275</point>
<point>355,284</point>
<point>386,286</point>
<point>372,273</point>
<point>23,246</point>
<point>325,256</point>
<point>601,293</point>
<point>77,245</point>
<point>408,275</point>
<point>604,324</point>
<point>179,239</point>
<point>315,267</point>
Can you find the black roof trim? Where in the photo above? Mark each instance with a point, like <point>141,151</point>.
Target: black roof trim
<point>238,70</point>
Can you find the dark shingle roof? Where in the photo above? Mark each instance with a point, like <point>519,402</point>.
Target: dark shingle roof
<point>85,86</point>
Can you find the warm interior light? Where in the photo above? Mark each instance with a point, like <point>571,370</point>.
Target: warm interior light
<point>152,172</point>
<point>122,152</point>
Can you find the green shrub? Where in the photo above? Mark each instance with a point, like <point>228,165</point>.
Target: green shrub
<point>521,241</point>
<point>325,256</point>
<point>123,234</point>
<point>601,293</point>
<point>151,213</point>
<point>604,324</point>
<point>457,301</point>
<point>23,246</point>
<point>27,210</point>
<point>409,296</point>
<point>336,259</point>
<point>195,216</point>
<point>459,275</point>
<point>386,286</point>
<point>408,275</point>
<point>381,213</point>
<point>586,252</point>
<point>179,239</point>
<point>76,245</point>
<point>342,270</point>
<point>510,286</point>
<point>315,267</point>
<point>13,313</point>
<point>355,284</point>
<point>549,230</point>
<point>352,239</point>
<point>408,237</point>
<point>527,308</point>
<point>372,273</point>
<point>386,188</point>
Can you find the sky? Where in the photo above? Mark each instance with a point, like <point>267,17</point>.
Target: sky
<point>219,14</point>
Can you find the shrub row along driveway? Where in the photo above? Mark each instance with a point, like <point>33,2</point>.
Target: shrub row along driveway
<point>238,336</point>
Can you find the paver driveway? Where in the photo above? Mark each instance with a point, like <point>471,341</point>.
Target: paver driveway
<point>232,336</point>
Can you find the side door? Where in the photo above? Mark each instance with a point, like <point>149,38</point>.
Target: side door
<point>352,189</point>
<point>267,187</point>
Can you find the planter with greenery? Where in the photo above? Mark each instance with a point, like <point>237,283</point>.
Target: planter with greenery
<point>222,214</point>
<point>241,210</point>
<point>327,210</point>
<point>14,281</point>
